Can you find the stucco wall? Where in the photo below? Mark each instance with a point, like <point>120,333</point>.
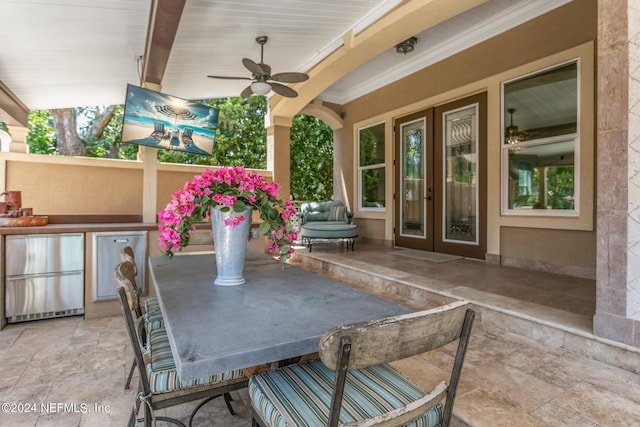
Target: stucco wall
<point>57,185</point>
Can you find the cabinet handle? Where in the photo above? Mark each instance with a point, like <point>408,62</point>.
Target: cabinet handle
<point>120,240</point>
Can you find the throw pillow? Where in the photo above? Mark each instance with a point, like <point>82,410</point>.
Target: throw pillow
<point>338,213</point>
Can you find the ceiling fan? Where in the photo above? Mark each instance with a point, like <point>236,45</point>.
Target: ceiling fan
<point>263,80</point>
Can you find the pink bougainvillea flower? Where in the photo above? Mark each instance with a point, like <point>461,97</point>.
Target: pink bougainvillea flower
<point>235,189</point>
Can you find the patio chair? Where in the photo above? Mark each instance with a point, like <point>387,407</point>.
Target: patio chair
<point>160,387</point>
<point>353,385</point>
<point>149,308</point>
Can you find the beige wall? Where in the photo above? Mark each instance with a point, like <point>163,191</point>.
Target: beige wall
<point>57,185</point>
<point>567,252</point>
<point>564,34</point>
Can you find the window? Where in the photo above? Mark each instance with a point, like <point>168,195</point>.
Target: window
<point>371,167</point>
<point>541,143</point>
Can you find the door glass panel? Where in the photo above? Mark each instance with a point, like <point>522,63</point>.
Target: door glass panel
<point>412,185</point>
<point>460,201</point>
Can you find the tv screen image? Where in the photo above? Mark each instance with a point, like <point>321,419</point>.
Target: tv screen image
<point>158,120</point>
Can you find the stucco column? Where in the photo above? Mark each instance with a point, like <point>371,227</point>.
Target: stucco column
<point>18,139</point>
<point>278,154</point>
<point>618,186</point>
<point>149,158</point>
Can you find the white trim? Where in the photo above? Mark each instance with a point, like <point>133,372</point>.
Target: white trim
<point>504,152</point>
<point>510,18</point>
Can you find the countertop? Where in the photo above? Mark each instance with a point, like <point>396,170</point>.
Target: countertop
<point>81,227</point>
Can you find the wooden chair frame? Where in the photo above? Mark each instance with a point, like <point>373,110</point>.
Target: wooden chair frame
<point>361,345</point>
<point>152,401</point>
<point>127,255</point>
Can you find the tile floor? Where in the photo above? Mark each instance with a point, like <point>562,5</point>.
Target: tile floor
<point>71,371</point>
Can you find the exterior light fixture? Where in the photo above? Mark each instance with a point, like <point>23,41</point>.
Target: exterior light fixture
<point>260,88</point>
<point>407,46</point>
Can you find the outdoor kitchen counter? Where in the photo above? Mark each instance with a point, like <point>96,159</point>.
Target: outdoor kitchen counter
<point>200,241</point>
<point>78,228</point>
<point>93,307</point>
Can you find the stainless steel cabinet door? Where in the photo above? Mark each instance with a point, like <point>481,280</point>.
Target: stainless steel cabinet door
<point>44,294</point>
<point>107,247</point>
<point>43,253</point>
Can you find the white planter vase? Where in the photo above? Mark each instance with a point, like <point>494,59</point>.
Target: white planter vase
<point>230,245</point>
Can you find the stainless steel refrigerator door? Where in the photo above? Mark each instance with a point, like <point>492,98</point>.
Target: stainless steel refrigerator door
<point>43,253</point>
<point>46,295</point>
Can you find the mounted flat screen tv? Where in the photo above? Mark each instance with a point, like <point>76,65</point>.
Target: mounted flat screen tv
<point>163,121</point>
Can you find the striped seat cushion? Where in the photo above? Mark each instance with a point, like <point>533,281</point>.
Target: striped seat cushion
<point>161,368</point>
<point>152,314</point>
<point>152,306</point>
<point>300,395</point>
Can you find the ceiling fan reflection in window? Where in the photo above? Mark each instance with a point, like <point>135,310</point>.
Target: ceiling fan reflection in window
<point>263,80</point>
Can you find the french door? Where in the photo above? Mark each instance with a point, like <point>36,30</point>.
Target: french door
<point>440,178</point>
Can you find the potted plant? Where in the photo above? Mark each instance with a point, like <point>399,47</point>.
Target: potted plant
<point>231,193</point>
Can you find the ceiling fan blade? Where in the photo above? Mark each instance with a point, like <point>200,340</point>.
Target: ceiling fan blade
<point>283,90</point>
<point>266,68</point>
<point>247,92</point>
<point>290,77</point>
<point>230,78</point>
<point>253,67</point>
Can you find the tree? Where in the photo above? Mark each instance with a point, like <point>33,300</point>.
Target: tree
<point>69,141</point>
<point>57,131</point>
<point>102,137</point>
<point>41,137</point>
<point>311,159</point>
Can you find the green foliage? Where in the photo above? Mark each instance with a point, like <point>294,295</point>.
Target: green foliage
<point>560,191</point>
<point>368,147</point>
<point>311,159</point>
<point>42,137</point>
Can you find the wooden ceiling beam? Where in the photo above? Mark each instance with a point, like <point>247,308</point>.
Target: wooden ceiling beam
<point>12,110</point>
<point>164,20</point>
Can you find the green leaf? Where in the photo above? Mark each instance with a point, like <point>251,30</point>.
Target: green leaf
<point>264,229</point>
<point>239,206</point>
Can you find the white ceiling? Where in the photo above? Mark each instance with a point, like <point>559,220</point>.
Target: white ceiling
<point>67,53</point>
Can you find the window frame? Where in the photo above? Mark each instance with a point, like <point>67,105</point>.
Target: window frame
<point>381,166</point>
<point>575,137</point>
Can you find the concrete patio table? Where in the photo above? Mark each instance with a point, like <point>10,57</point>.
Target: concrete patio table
<point>277,315</point>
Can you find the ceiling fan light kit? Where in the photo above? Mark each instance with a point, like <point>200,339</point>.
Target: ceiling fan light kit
<point>263,81</point>
<point>260,88</point>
